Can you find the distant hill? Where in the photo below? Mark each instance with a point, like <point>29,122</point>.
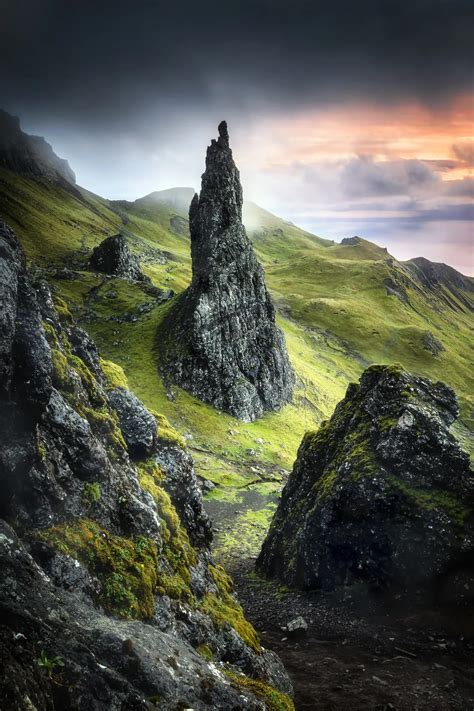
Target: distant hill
<point>176,198</point>
<point>30,155</point>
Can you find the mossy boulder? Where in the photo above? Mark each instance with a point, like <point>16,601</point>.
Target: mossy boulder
<point>381,494</point>
<point>112,256</point>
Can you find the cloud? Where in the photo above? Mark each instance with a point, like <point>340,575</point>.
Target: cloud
<point>335,107</point>
<point>459,188</point>
<point>363,177</point>
<point>115,62</point>
<point>465,152</point>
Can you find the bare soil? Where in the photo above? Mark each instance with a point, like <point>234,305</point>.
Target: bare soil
<point>363,652</point>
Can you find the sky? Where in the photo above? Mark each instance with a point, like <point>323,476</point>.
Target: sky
<point>344,117</point>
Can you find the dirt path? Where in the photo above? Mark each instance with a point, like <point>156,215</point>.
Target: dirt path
<point>364,654</point>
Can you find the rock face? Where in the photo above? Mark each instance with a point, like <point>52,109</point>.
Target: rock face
<point>30,155</point>
<point>382,494</point>
<point>220,341</point>
<point>109,596</point>
<point>112,256</point>
<point>137,424</point>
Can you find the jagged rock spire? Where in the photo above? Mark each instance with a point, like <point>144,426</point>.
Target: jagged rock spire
<point>220,340</point>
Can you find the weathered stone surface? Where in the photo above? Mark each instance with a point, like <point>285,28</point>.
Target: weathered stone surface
<point>219,341</point>
<point>109,597</point>
<point>137,424</point>
<point>84,347</point>
<point>11,266</point>
<point>112,256</point>
<point>381,494</point>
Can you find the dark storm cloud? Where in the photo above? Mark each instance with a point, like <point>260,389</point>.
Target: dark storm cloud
<point>103,61</point>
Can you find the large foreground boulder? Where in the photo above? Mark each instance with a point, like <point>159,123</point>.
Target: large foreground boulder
<point>219,341</point>
<point>381,494</point>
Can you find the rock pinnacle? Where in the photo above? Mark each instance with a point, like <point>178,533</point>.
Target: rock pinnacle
<point>220,341</point>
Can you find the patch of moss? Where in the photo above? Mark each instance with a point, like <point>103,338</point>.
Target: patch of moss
<point>40,450</point>
<point>274,700</point>
<point>388,369</point>
<point>61,375</point>
<point>125,567</point>
<point>386,423</point>
<point>62,309</point>
<point>224,610</point>
<point>92,492</point>
<point>87,377</point>
<point>206,652</point>
<point>65,364</point>
<point>114,374</point>
<point>105,423</point>
<point>432,499</point>
<point>174,577</point>
<point>50,334</point>
<point>331,443</point>
<point>166,433</point>
<point>325,485</point>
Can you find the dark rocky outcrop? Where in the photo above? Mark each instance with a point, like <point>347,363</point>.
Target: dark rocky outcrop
<point>351,241</point>
<point>219,340</point>
<point>382,494</point>
<point>109,597</point>
<point>112,256</point>
<point>456,290</point>
<point>137,424</point>
<point>30,155</point>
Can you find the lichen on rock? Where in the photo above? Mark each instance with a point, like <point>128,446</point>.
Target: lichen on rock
<point>104,542</point>
<point>382,494</point>
<point>219,339</point>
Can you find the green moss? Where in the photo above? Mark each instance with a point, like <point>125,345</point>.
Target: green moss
<point>114,374</point>
<point>61,375</point>
<point>388,369</point>
<point>325,485</point>
<point>224,610</point>
<point>386,423</point>
<point>174,577</point>
<point>50,334</point>
<point>206,652</point>
<point>166,433</point>
<point>92,492</point>
<point>331,444</point>
<point>62,308</point>
<point>40,450</point>
<point>274,700</point>
<point>432,499</point>
<point>88,379</point>
<point>106,423</point>
<point>65,364</point>
<point>125,567</point>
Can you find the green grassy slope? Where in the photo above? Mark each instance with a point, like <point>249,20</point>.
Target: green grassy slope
<point>333,305</point>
